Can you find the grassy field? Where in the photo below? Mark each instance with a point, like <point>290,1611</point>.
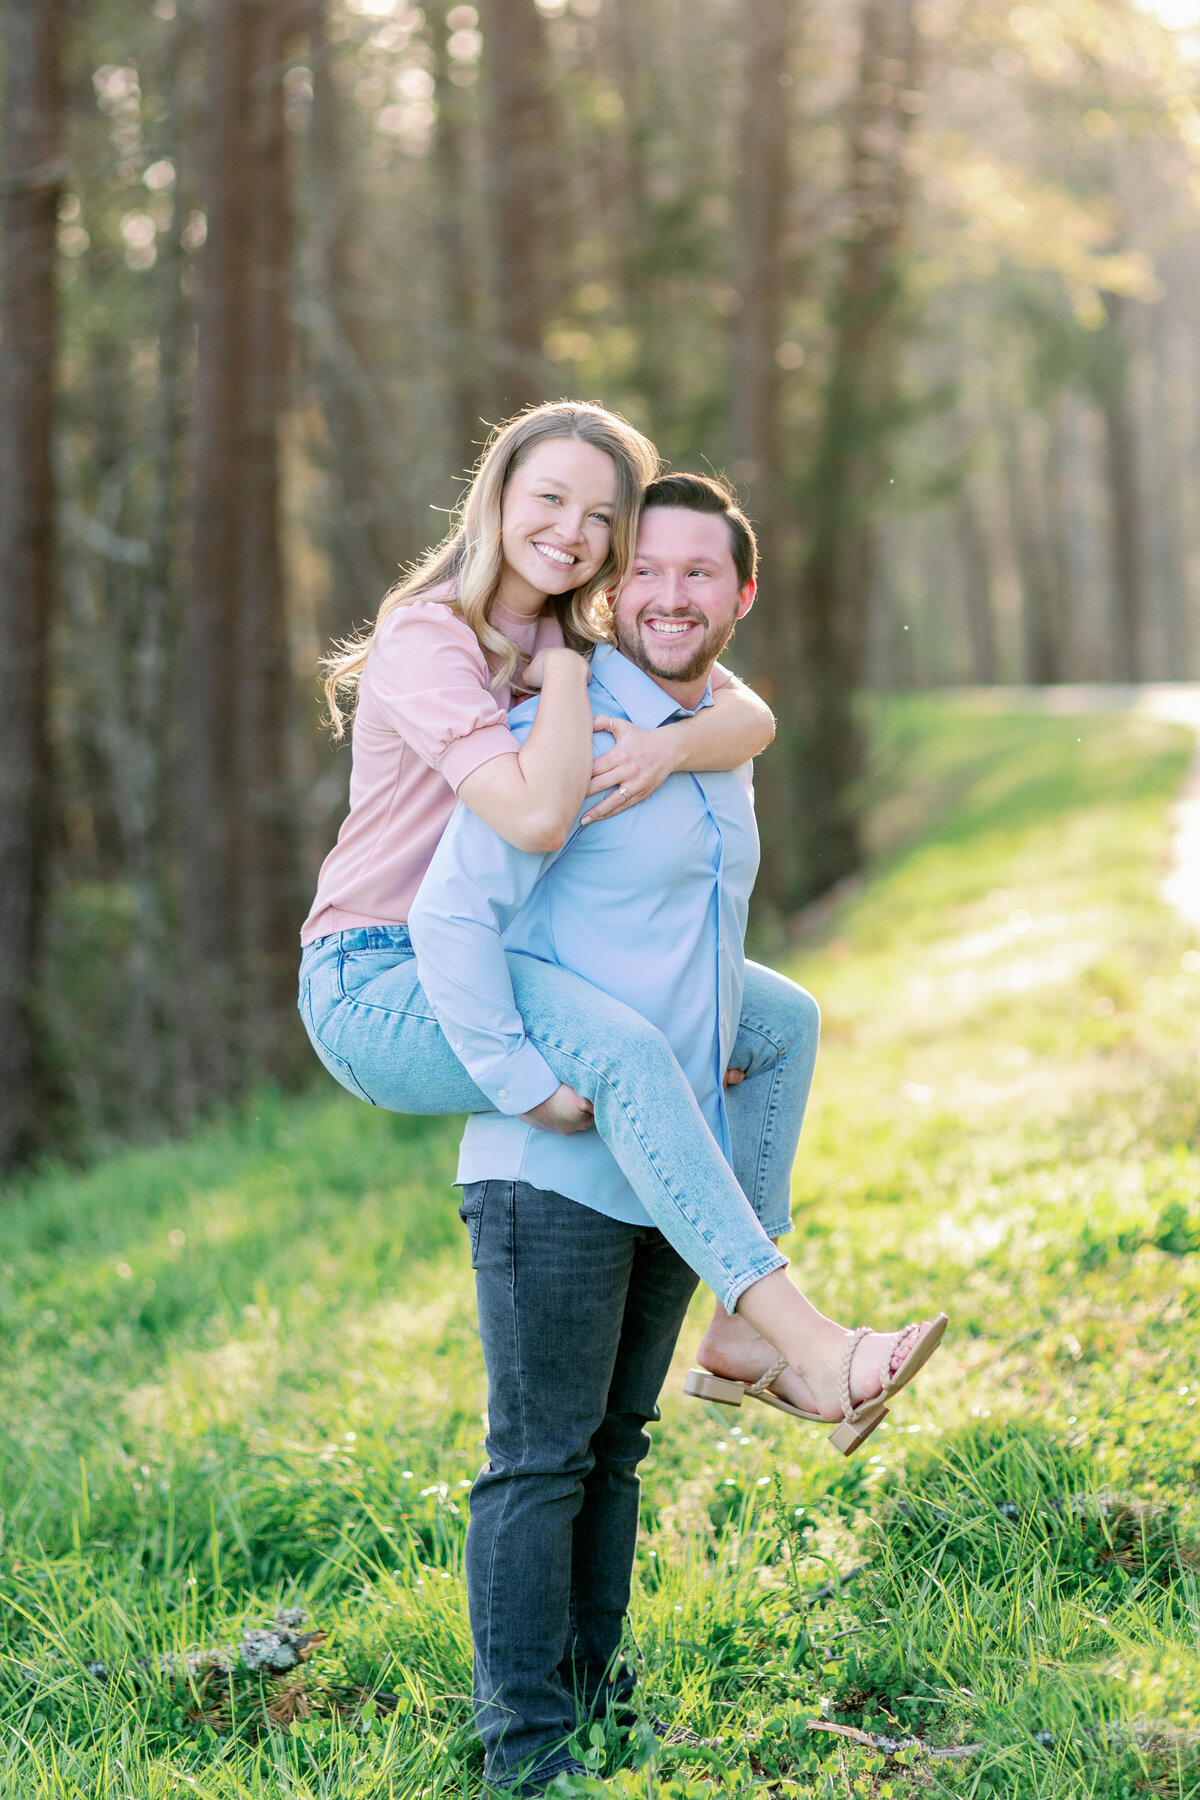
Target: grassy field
<point>240,1374</point>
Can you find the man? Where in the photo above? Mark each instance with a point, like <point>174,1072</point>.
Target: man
<point>580,1297</point>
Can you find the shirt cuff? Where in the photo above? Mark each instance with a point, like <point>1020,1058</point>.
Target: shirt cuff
<point>522,1081</point>
<point>466,754</point>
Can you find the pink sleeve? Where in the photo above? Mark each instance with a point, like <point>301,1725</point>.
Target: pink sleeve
<point>429,678</point>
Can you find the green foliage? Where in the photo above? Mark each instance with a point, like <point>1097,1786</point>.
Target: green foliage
<point>240,1373</point>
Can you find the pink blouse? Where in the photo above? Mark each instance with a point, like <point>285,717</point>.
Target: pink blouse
<point>425,720</point>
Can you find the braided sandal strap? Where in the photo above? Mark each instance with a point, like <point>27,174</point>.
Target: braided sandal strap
<point>852,1413</point>
<point>764,1382</point>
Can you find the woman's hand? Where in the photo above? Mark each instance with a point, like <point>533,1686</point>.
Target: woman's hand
<point>639,763</point>
<point>533,677</point>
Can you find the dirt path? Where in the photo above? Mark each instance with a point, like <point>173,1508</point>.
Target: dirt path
<point>1175,701</point>
<point>1180,702</point>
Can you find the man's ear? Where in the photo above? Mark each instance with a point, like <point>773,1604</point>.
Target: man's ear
<point>746,597</point>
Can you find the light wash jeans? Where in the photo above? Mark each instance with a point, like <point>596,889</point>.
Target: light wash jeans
<point>374,1030</point>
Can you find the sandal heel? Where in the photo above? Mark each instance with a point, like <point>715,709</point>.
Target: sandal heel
<point>703,1386</point>
<point>847,1437</point>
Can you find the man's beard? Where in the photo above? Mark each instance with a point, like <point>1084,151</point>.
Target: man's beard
<point>633,645</point>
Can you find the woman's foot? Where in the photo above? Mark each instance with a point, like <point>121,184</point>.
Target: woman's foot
<point>733,1349</point>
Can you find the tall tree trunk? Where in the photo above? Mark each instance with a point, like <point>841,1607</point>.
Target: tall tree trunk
<point>208,713</point>
<point>145,803</point>
<point>519,151</point>
<point>641,272</point>
<point>33,172</point>
<point>459,349</point>
<point>975,556</point>
<point>1126,522</point>
<point>852,450</point>
<point>761,207</point>
<point>625,177</point>
<point>1163,427</point>
<point>1025,471</point>
<point>1056,516</point>
<point>768,644</point>
<point>265,845</point>
<point>361,547</point>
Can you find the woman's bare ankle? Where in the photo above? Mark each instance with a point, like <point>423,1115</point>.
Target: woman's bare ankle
<point>725,1335</point>
<point>779,1312</point>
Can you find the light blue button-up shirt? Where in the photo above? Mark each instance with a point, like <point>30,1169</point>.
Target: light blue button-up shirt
<point>649,906</point>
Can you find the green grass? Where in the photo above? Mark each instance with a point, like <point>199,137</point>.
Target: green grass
<point>241,1372</point>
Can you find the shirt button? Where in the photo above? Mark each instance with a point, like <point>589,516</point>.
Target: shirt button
<point>502,1093</point>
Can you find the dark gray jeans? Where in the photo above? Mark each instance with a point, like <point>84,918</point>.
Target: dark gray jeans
<point>578,1315</point>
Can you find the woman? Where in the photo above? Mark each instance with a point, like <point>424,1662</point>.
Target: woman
<point>547,526</point>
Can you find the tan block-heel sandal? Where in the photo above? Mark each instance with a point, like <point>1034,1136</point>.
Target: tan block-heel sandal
<point>857,1422</point>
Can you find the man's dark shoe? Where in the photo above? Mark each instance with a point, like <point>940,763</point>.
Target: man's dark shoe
<point>536,1781</point>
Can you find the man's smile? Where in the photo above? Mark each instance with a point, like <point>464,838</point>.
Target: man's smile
<point>669,628</point>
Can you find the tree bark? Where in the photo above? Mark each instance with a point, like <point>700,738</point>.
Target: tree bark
<point>858,416</point>
<point>363,552</point>
<point>626,199</point>
<point>33,172</point>
<point>265,842</point>
<point>519,142</point>
<point>635,246</point>
<point>1125,513</point>
<point>767,645</point>
<point>1026,472</point>
<point>145,805</point>
<point>452,171</point>
<point>208,897</point>
<point>762,208</point>
<point>976,559</point>
<point>1055,510</point>
<point>1171,401</point>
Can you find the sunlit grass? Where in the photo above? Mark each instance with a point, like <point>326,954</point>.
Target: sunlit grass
<point>241,1372</point>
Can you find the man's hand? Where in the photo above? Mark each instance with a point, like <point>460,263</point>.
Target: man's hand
<point>638,764</point>
<point>565,1112</point>
<point>734,1077</point>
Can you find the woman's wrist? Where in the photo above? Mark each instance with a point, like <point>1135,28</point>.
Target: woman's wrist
<point>563,664</point>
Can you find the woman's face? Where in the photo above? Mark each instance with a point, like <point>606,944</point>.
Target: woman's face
<point>555,521</point>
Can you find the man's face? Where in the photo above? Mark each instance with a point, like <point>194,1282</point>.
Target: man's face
<point>677,610</point>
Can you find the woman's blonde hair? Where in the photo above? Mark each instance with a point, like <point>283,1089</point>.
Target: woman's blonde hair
<point>470,560</point>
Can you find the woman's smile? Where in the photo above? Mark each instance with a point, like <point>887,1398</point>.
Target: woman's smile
<point>555,554</point>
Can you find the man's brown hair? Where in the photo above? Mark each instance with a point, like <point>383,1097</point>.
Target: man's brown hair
<point>710,494</point>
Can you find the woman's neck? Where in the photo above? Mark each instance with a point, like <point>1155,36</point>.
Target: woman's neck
<point>518,596</point>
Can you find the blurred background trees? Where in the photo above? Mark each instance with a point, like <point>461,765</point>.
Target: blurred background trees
<point>917,274</point>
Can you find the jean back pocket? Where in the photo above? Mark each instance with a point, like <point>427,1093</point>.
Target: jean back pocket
<point>471,1214</point>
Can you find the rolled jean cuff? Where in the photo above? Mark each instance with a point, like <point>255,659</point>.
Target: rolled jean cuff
<point>739,1283</point>
<point>777,1228</point>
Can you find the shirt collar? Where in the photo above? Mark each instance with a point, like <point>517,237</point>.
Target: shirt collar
<point>636,693</point>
